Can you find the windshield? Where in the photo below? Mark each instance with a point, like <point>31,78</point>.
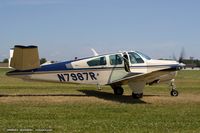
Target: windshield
<point>135,58</point>
<point>143,55</point>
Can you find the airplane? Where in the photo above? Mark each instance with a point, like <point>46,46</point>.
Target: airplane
<point>131,68</point>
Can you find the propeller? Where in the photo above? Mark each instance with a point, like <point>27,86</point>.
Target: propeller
<point>181,57</point>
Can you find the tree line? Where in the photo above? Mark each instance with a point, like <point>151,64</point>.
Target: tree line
<point>191,62</point>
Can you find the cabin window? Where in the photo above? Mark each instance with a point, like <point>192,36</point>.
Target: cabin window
<point>115,59</point>
<point>97,61</point>
<point>135,58</point>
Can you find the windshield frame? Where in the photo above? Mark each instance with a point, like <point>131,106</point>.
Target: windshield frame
<point>143,55</point>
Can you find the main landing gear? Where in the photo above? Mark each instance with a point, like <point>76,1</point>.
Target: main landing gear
<point>173,92</point>
<point>137,95</point>
<point>118,90</point>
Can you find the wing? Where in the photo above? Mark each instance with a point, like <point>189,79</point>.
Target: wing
<point>146,77</point>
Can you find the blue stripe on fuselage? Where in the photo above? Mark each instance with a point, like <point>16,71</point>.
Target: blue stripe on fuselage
<point>53,67</point>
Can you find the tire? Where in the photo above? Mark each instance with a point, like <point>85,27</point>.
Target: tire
<point>174,93</point>
<point>137,95</point>
<point>118,90</point>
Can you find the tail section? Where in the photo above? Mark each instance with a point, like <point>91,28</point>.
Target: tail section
<point>25,58</point>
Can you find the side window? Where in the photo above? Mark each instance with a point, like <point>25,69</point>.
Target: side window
<point>115,59</point>
<point>135,58</point>
<point>97,61</point>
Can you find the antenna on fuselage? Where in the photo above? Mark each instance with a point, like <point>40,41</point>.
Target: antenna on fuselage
<point>94,52</point>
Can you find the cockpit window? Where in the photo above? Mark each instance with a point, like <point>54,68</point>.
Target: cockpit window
<point>143,55</point>
<point>135,58</point>
<point>115,59</point>
<point>97,61</point>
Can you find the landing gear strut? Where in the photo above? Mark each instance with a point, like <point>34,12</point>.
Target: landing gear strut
<point>173,92</point>
<point>118,90</point>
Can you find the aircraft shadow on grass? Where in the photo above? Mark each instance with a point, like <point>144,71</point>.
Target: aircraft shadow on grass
<point>36,95</point>
<point>91,93</point>
<point>112,97</point>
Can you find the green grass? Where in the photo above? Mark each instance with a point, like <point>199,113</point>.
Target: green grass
<point>82,108</point>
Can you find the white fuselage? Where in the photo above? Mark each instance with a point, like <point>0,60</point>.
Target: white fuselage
<point>102,70</point>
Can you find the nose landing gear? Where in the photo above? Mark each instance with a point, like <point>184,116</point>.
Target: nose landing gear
<point>173,92</point>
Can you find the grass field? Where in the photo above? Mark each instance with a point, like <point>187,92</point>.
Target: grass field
<point>59,108</point>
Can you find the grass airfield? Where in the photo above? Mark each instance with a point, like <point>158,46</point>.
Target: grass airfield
<point>59,108</point>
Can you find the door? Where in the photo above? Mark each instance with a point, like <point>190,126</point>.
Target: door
<point>126,62</point>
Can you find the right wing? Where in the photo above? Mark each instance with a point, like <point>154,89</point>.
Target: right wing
<point>141,77</point>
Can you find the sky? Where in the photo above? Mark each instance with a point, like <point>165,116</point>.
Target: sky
<point>64,29</point>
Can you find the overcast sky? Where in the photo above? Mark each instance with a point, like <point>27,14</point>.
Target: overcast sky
<point>64,29</point>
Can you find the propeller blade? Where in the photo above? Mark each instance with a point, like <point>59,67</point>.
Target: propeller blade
<point>181,58</point>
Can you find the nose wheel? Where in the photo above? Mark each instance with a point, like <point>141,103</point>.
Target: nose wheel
<point>173,92</point>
